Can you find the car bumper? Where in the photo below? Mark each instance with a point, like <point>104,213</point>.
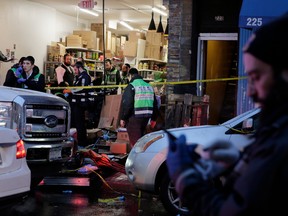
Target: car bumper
<point>141,169</point>
<point>49,152</point>
<point>14,183</point>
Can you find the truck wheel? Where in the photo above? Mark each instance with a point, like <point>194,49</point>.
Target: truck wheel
<point>170,198</point>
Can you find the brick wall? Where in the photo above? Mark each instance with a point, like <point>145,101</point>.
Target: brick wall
<point>179,52</point>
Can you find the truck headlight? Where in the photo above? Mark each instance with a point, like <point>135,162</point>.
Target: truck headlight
<point>5,114</point>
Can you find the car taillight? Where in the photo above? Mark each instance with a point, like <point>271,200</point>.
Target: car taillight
<point>20,150</point>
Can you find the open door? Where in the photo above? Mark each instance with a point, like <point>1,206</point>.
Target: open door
<point>217,60</point>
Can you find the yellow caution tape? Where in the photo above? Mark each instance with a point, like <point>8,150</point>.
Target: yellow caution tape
<point>152,83</point>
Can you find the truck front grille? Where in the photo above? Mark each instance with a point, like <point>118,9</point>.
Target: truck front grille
<point>44,121</point>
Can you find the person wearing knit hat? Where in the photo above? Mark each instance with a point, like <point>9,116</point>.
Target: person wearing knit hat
<point>138,106</point>
<point>255,180</point>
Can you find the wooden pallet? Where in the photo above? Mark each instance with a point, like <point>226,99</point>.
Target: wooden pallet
<point>188,110</point>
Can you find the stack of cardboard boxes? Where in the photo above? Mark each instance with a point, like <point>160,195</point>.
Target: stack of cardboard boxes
<point>154,43</point>
<point>131,46</point>
<point>98,27</point>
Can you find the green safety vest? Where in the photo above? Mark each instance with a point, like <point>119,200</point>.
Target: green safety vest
<point>111,77</point>
<point>144,98</point>
<point>14,71</point>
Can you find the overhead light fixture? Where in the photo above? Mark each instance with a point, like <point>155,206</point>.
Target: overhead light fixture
<point>89,12</point>
<point>159,11</point>
<point>126,25</point>
<point>152,25</point>
<point>160,26</point>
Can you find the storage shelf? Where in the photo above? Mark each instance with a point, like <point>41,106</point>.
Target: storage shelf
<point>82,49</point>
<point>150,70</point>
<point>151,59</point>
<point>90,60</point>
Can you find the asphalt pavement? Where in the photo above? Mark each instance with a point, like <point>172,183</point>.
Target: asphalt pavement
<point>113,195</point>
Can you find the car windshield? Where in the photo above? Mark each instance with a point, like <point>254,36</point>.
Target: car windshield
<point>247,114</point>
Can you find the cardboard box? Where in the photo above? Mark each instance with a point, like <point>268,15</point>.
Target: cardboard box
<point>100,46</point>
<point>130,49</point>
<point>154,38</point>
<point>98,27</point>
<point>135,35</point>
<point>119,147</point>
<point>122,136</point>
<point>73,41</point>
<point>152,51</point>
<point>88,37</point>
<point>110,112</point>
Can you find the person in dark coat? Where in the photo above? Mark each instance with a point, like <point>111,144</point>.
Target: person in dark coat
<point>138,106</point>
<point>65,72</point>
<point>31,78</point>
<point>255,180</point>
<point>13,74</point>
<point>80,102</point>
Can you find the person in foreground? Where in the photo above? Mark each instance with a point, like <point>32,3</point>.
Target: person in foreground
<point>138,105</point>
<point>255,179</point>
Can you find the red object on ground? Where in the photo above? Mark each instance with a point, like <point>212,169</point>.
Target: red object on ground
<point>102,160</point>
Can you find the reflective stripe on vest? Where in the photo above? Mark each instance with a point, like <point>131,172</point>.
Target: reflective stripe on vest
<point>111,77</point>
<point>144,98</point>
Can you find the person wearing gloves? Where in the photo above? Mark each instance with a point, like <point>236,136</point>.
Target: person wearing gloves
<point>13,74</point>
<point>255,179</point>
<point>30,77</point>
<point>138,105</point>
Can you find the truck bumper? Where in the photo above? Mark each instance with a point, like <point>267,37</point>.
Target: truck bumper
<point>49,152</point>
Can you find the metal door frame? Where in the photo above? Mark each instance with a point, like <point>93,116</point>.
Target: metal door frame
<point>201,51</point>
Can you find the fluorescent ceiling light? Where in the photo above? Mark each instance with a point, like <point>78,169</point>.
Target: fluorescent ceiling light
<point>126,25</point>
<point>159,11</point>
<point>89,12</point>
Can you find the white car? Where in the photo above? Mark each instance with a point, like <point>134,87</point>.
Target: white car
<point>146,167</point>
<point>15,176</point>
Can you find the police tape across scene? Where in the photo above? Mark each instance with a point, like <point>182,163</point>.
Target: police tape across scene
<point>152,83</point>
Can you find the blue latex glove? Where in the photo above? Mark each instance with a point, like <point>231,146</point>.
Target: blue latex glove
<point>21,80</point>
<point>18,71</point>
<point>180,156</point>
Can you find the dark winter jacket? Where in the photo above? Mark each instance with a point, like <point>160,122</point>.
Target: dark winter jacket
<point>33,83</point>
<point>127,105</point>
<point>81,95</point>
<point>258,183</point>
<point>11,79</point>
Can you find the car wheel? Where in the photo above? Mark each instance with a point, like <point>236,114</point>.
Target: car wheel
<point>170,198</point>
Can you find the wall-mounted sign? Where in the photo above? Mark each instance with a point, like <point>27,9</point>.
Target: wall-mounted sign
<point>86,4</point>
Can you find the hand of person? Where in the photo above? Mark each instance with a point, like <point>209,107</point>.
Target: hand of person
<point>180,157</point>
<point>216,159</point>
<point>68,91</point>
<point>21,80</point>
<point>152,124</point>
<point>224,153</point>
<point>122,123</point>
<point>18,71</point>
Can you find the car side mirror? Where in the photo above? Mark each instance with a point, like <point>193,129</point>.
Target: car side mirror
<point>247,124</point>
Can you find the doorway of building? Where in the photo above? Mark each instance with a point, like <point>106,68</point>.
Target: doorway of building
<point>217,59</point>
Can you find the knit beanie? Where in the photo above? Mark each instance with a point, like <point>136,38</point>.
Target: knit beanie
<point>269,43</point>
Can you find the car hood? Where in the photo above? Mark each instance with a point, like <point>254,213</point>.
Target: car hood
<point>203,135</point>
